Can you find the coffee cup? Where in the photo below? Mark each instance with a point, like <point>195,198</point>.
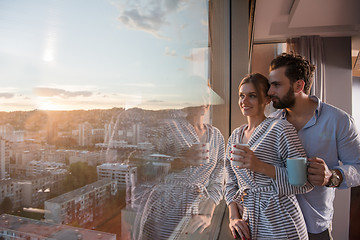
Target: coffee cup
<point>234,157</point>
<point>297,170</point>
<point>202,155</point>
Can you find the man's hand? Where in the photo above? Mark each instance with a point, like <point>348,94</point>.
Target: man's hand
<point>318,172</point>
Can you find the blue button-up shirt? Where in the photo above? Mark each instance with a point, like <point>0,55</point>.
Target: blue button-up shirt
<point>331,135</point>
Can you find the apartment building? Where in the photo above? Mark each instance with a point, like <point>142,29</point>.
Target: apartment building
<point>83,204</point>
<point>14,227</point>
<point>36,189</point>
<point>116,171</point>
<point>4,159</point>
<point>12,190</point>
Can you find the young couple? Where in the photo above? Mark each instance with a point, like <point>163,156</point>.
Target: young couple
<point>262,204</point>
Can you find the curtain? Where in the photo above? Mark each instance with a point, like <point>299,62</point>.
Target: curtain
<point>311,47</point>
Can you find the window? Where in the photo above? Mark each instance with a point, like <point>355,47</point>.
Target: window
<point>89,83</point>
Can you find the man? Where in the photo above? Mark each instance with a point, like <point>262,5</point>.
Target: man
<point>327,133</point>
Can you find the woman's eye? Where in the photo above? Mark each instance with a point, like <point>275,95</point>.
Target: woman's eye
<point>241,96</point>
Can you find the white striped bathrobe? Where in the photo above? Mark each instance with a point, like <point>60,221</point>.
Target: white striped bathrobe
<point>270,206</point>
<point>166,209</point>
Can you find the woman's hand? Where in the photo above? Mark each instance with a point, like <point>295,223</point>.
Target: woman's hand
<point>248,159</point>
<point>239,227</point>
<point>197,154</point>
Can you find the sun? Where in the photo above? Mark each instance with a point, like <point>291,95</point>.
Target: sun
<point>46,104</point>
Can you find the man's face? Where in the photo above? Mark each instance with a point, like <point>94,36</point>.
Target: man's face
<point>281,90</point>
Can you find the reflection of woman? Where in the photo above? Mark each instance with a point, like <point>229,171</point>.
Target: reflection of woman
<point>260,188</point>
<point>185,200</point>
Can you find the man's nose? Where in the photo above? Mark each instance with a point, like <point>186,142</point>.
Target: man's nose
<point>270,91</point>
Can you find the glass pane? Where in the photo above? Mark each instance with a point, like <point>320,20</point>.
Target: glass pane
<point>106,112</point>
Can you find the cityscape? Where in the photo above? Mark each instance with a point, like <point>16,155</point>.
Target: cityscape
<point>78,172</point>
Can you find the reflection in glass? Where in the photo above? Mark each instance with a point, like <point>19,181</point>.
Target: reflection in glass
<point>100,106</point>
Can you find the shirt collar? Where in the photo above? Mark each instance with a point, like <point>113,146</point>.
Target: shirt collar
<point>312,121</point>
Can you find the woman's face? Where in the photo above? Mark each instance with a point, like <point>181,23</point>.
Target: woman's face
<point>249,101</point>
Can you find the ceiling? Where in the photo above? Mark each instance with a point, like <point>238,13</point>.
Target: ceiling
<point>277,20</point>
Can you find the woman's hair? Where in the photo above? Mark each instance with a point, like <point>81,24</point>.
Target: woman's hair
<point>260,83</point>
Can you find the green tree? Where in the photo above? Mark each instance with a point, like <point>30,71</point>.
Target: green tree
<point>80,174</point>
<point>6,206</point>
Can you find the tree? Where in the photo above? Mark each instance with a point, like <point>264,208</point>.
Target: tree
<point>6,206</point>
<point>80,174</point>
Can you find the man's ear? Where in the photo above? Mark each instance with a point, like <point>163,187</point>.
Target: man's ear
<point>299,86</point>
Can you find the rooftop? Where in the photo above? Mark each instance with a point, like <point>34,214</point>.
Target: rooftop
<point>47,230</point>
<point>80,191</point>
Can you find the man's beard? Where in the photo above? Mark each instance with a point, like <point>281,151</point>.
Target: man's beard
<point>287,101</point>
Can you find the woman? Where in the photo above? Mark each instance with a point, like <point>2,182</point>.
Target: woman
<point>184,201</point>
<point>261,202</point>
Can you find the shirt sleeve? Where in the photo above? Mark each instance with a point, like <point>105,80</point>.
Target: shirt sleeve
<point>216,183</point>
<point>348,143</point>
<point>289,146</point>
<point>231,181</point>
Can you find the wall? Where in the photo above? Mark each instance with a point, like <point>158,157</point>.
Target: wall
<point>239,57</point>
<point>337,53</point>
<point>355,192</point>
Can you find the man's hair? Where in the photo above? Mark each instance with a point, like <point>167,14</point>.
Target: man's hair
<point>296,68</point>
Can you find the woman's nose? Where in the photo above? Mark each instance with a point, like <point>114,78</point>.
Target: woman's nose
<point>245,99</point>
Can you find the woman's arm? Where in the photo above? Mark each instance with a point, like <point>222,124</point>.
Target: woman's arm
<point>216,179</point>
<point>289,146</point>
<point>250,161</point>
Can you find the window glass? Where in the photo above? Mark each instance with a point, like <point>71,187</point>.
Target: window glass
<point>106,112</point>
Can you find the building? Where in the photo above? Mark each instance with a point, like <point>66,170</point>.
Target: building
<point>82,205</point>
<point>85,134</point>
<point>12,190</point>
<point>32,192</point>
<point>116,171</point>
<point>52,131</point>
<point>92,158</point>
<point>4,159</point>
<point>98,135</point>
<point>35,190</point>
<point>35,168</point>
<point>14,227</point>
<point>108,132</point>
<point>8,132</point>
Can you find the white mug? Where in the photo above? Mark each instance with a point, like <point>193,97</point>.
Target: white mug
<point>232,155</point>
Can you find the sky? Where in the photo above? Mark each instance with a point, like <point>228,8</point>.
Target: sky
<point>87,54</point>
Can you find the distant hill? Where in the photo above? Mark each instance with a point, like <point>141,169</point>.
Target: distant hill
<point>37,120</point>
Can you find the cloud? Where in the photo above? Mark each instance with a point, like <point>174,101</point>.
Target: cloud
<point>53,92</point>
<point>155,101</point>
<point>199,55</point>
<point>169,52</point>
<point>147,16</point>
<point>7,95</point>
<point>138,84</point>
